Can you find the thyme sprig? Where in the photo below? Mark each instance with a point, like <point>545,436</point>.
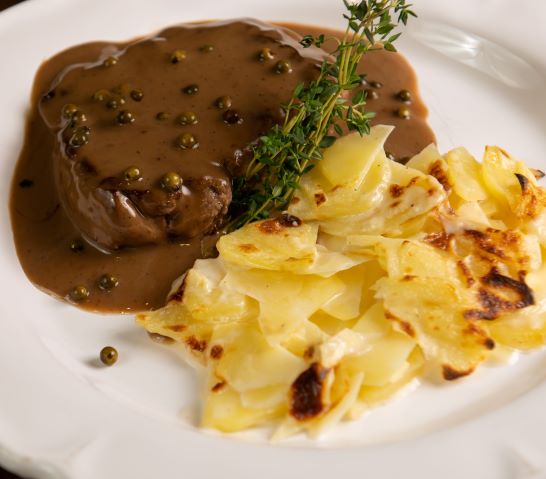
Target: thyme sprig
<point>288,151</point>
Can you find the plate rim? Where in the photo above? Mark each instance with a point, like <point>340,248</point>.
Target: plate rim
<point>53,467</point>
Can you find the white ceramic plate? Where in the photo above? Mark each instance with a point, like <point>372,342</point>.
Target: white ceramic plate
<point>61,416</point>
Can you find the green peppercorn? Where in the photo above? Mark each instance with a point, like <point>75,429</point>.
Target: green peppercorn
<point>107,282</point>
<point>125,117</point>
<point>191,89</point>
<point>101,95</point>
<point>404,95</point>
<point>206,48</point>
<point>132,174</point>
<point>404,113</point>
<point>177,56</point>
<point>76,246</point>
<point>110,61</point>
<point>376,84</point>
<point>77,118</point>
<point>80,137</point>
<point>162,116</point>
<point>223,102</point>
<point>79,294</point>
<point>232,117</point>
<point>187,141</point>
<point>115,103</point>
<point>265,54</point>
<point>108,355</point>
<point>171,182</point>
<point>283,67</point>
<point>371,95</point>
<point>69,110</point>
<point>137,95</point>
<point>187,118</point>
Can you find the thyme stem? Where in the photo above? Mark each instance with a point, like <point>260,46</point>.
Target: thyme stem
<point>282,156</point>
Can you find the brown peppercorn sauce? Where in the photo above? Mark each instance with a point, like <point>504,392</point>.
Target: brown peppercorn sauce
<point>142,235</point>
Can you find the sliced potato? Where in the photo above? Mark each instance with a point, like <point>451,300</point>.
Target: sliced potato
<point>224,410</point>
<point>271,244</point>
<point>411,194</point>
<point>347,162</point>
<point>347,304</point>
<point>432,313</point>
<point>247,356</point>
<point>424,160</point>
<point>373,396</point>
<point>464,172</point>
<point>393,270</point>
<point>317,199</point>
<point>524,329</point>
<point>286,300</point>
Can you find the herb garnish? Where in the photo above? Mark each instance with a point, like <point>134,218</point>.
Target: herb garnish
<point>288,151</point>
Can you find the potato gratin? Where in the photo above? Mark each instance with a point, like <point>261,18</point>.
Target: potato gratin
<point>377,274</point>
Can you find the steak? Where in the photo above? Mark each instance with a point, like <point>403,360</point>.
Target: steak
<point>187,102</point>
